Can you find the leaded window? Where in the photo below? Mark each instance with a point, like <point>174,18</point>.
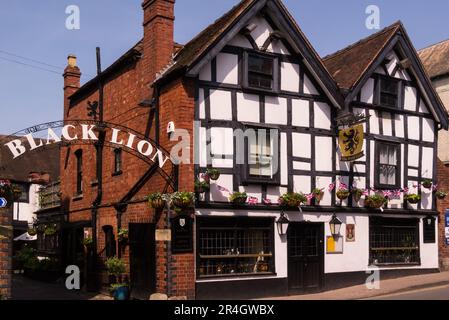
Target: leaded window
<point>394,241</point>
<point>388,165</point>
<point>235,246</point>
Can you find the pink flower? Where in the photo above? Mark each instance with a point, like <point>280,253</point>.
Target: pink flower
<point>406,190</point>
<point>253,201</point>
<point>331,187</point>
<point>267,201</point>
<point>365,192</point>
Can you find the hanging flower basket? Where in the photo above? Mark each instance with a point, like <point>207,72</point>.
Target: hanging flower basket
<point>50,230</point>
<point>318,194</point>
<point>183,200</point>
<point>201,186</point>
<point>441,195</point>
<point>357,194</point>
<point>375,202</point>
<point>16,192</point>
<point>213,174</point>
<point>122,236</point>
<point>156,201</point>
<point>413,198</point>
<point>343,194</point>
<point>427,183</point>
<point>88,242</point>
<point>32,231</point>
<point>238,198</point>
<point>292,200</point>
<point>6,191</point>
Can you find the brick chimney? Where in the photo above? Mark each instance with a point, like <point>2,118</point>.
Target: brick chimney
<point>72,76</point>
<point>158,42</point>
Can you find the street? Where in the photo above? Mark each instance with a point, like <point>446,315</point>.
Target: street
<point>435,293</point>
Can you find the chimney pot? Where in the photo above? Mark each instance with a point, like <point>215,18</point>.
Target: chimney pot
<point>71,60</point>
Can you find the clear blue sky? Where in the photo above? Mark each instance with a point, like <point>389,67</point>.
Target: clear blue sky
<point>36,29</point>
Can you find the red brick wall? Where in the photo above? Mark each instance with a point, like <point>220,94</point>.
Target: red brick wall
<point>443,184</point>
<point>5,256</point>
<point>122,94</point>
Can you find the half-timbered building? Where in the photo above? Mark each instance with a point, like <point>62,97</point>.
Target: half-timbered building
<point>264,109</point>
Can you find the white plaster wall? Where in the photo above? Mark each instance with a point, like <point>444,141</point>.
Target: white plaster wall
<point>262,31</point>
<point>275,110</point>
<point>206,72</point>
<point>222,143</point>
<point>227,68</point>
<point>289,77</point>
<point>413,128</point>
<point>225,181</point>
<point>302,145</point>
<point>399,126</point>
<point>309,88</point>
<point>355,257</point>
<point>323,154</point>
<point>410,101</point>
<point>413,155</point>
<point>301,113</point>
<point>284,159</point>
<point>322,115</point>
<point>427,163</point>
<point>323,183</point>
<point>25,211</point>
<point>201,104</point>
<point>240,41</point>
<point>387,124</point>
<point>220,105</point>
<point>373,122</point>
<point>248,107</point>
<point>428,130</point>
<point>302,184</point>
<point>367,94</point>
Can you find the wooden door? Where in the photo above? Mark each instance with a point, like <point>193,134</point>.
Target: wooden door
<point>305,257</point>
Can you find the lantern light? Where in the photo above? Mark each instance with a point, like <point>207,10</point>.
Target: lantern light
<point>282,224</point>
<point>335,225</point>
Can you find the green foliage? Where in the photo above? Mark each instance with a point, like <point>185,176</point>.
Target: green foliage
<point>343,194</point>
<point>292,199</point>
<point>123,233</point>
<point>24,255</point>
<point>375,201</point>
<point>413,198</point>
<point>87,242</point>
<point>201,186</point>
<point>441,194</point>
<point>115,266</point>
<point>183,199</point>
<point>317,191</point>
<point>50,230</point>
<point>154,196</point>
<point>213,174</point>
<point>239,197</point>
<point>427,183</point>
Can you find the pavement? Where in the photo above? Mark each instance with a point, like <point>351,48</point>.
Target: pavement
<point>27,289</point>
<point>401,288</point>
<point>434,293</point>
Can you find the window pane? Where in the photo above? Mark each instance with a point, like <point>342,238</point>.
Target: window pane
<point>232,250</point>
<point>383,154</point>
<point>389,86</point>
<point>261,154</point>
<point>394,241</point>
<point>260,64</point>
<point>259,81</point>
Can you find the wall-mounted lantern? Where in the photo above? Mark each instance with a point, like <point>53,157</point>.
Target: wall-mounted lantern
<point>282,224</point>
<point>335,225</point>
